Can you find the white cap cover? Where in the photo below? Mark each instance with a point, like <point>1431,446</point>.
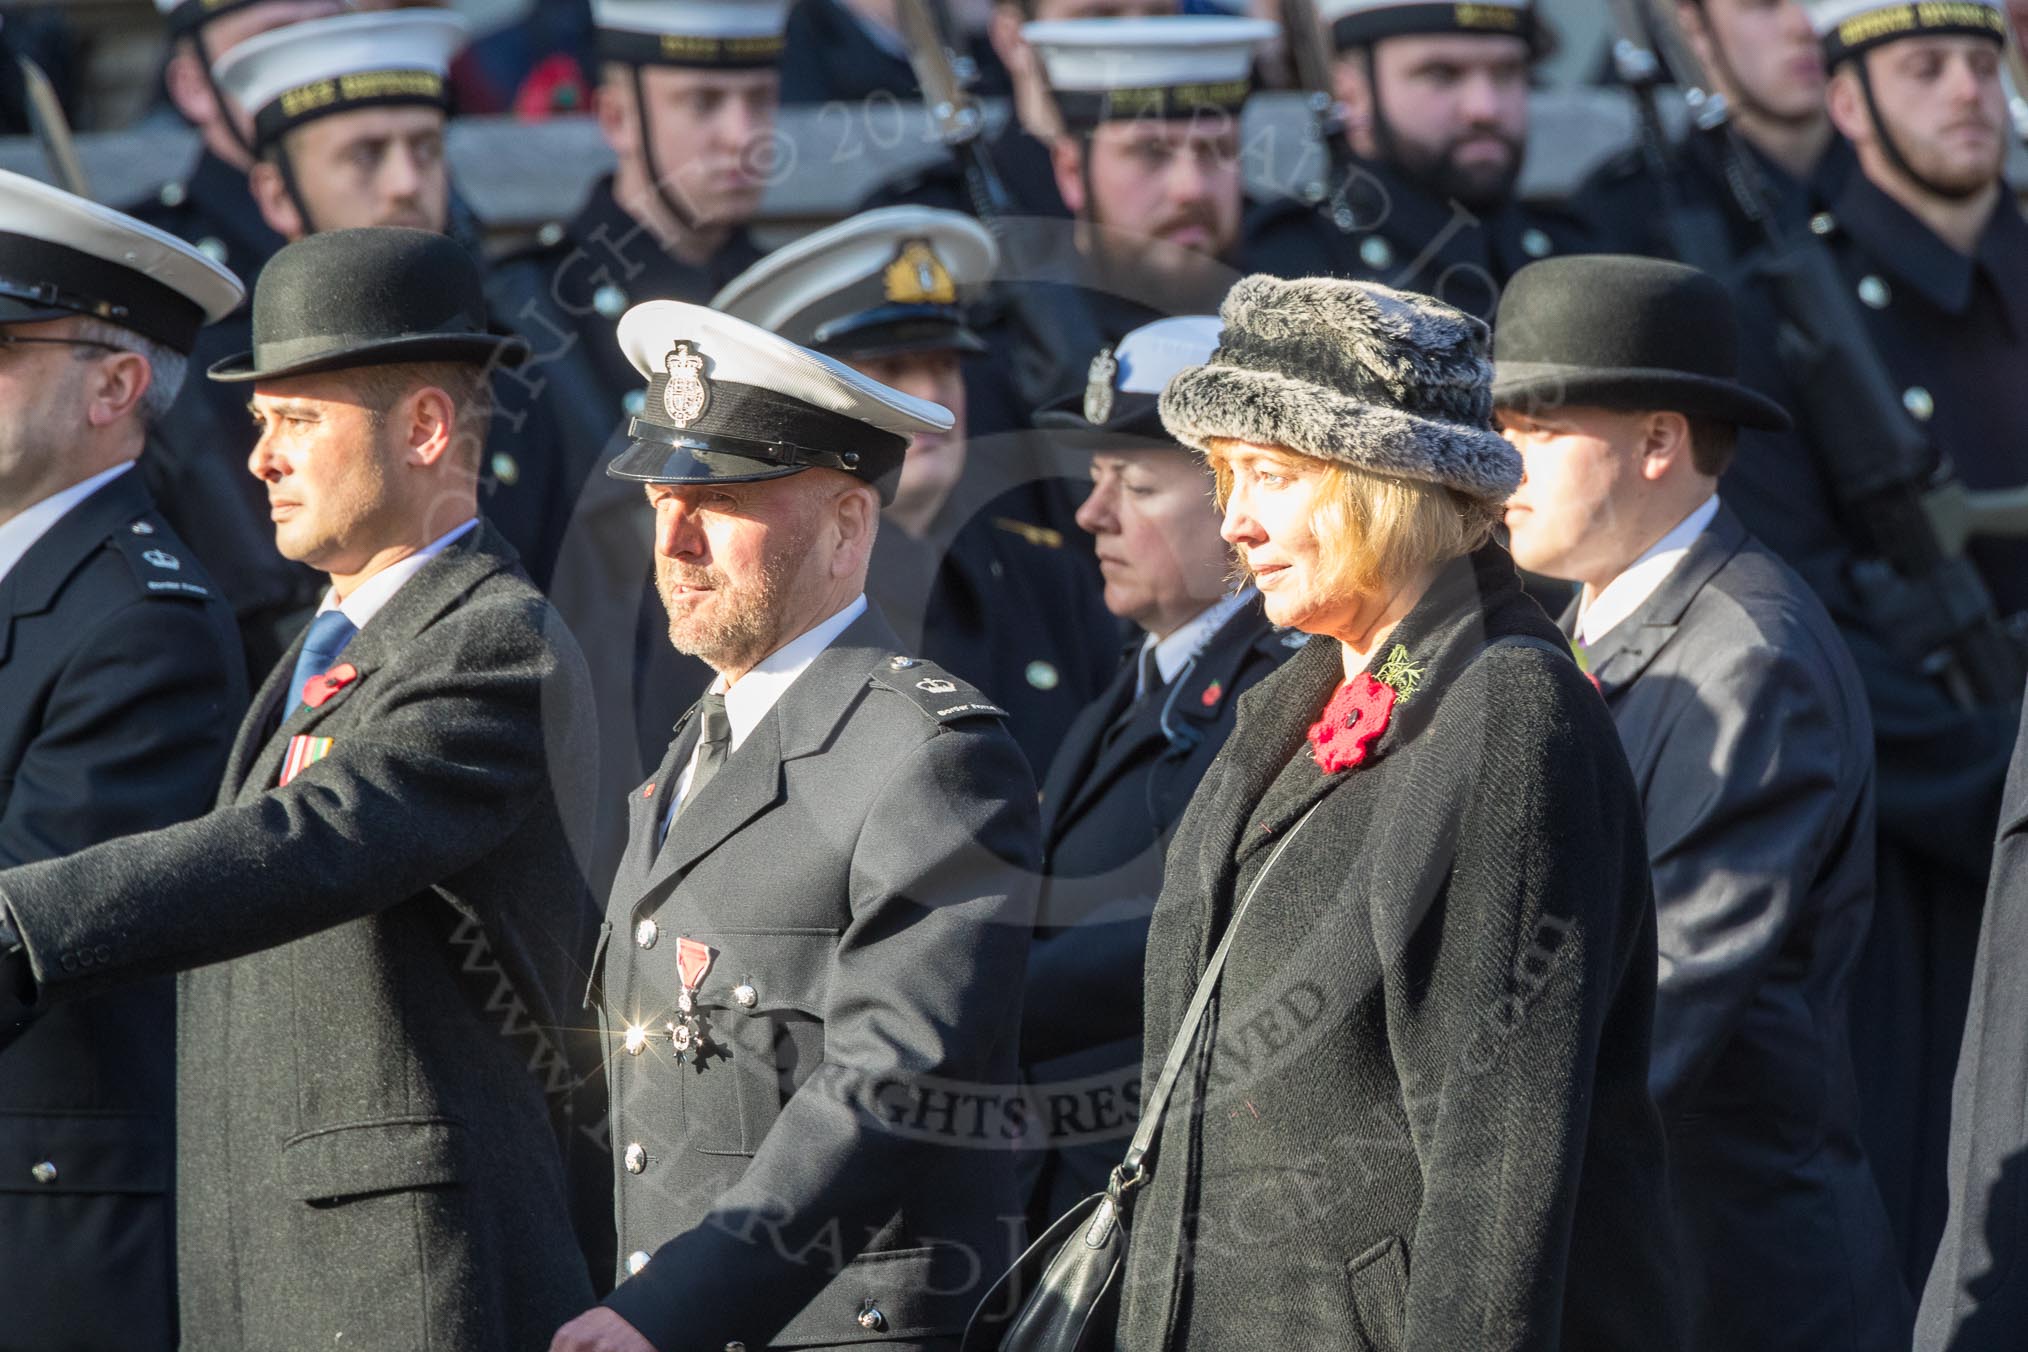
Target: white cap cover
<point>313,69</point>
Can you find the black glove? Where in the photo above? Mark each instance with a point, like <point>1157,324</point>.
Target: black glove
<point>17,982</point>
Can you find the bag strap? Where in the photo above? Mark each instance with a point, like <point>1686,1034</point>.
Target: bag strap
<point>1129,1173</point>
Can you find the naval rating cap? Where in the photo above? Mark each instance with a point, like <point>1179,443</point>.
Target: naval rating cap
<point>729,402</point>
<point>1360,23</point>
<point>1847,28</point>
<point>879,284</point>
<point>61,255</point>
<point>713,34</point>
<point>319,67</point>
<point>1174,66</point>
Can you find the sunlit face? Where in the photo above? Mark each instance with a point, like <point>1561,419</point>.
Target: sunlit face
<point>372,166</point>
<point>332,470</point>
<point>1457,107</point>
<point>1155,530</point>
<point>935,461</point>
<point>1174,183</point>
<point>1270,522</point>
<point>712,134</point>
<point>1565,520</point>
<point>728,560</point>
<point>1942,101</point>
<point>42,405</point>
<point>1767,48</point>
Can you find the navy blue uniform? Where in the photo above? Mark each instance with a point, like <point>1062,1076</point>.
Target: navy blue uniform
<point>121,682</point>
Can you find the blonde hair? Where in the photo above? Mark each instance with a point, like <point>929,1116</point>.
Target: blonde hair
<point>1376,529</point>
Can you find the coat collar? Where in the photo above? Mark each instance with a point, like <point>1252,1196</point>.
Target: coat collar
<point>1625,650</point>
<point>800,724</point>
<point>437,587</point>
<point>1898,243</point>
<point>32,585</point>
<point>610,235</point>
<point>1473,599</point>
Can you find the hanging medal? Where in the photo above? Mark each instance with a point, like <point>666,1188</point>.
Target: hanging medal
<point>688,1035</point>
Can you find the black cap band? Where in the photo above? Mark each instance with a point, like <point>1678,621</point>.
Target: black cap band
<point>1929,19</point>
<point>1087,108</point>
<point>1366,28</point>
<point>630,47</point>
<point>58,277</point>
<point>344,94</point>
<point>756,416</point>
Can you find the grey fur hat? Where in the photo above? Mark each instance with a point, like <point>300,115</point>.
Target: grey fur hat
<point>1388,381</point>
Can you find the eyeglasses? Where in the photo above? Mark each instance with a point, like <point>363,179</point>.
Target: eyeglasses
<point>9,341</point>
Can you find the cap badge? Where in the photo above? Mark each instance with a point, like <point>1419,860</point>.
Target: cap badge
<point>688,393</point>
<point>918,277</point>
<point>1098,386</point>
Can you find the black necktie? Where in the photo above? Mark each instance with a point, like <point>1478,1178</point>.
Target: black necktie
<point>714,744</point>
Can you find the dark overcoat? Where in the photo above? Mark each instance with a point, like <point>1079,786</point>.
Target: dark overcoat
<point>837,1168</point>
<point>1977,1296</point>
<point>1110,804</point>
<point>120,682</point>
<point>1417,1118</point>
<point>365,1158</point>
<point>1952,332</point>
<point>1746,725</point>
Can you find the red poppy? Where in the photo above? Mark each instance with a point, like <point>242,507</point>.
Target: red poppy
<point>1354,719</point>
<point>318,689</point>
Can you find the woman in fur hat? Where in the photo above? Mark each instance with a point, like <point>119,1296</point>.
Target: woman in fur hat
<point>1416,1115</point>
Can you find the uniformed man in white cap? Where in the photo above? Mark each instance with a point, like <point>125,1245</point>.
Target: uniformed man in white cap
<point>969,568</point>
<point>1934,251</point>
<point>810,981</point>
<point>1019,147</point>
<point>686,99</point>
<point>120,682</point>
<point>210,205</point>
<point>349,119</point>
<point>1119,783</point>
<point>1436,112</point>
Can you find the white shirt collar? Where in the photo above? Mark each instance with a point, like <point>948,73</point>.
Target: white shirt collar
<point>1625,594</point>
<point>20,531</point>
<point>370,596</point>
<point>748,700</point>
<point>1174,653</point>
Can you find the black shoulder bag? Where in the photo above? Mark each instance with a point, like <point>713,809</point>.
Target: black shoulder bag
<point>1072,1272</point>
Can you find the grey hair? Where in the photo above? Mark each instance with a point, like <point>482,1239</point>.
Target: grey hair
<point>169,366</point>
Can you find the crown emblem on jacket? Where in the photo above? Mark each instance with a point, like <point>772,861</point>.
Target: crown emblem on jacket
<point>688,393</point>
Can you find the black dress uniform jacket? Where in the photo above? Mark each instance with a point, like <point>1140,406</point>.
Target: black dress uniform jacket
<point>1417,1118</point>
<point>1746,725</point>
<point>828,56</point>
<point>120,681</point>
<point>364,1157</point>
<point>1952,331</point>
<point>1977,1296</point>
<point>1632,203</point>
<point>1110,804</point>
<point>1005,602</point>
<point>837,1168</point>
<point>1406,237</point>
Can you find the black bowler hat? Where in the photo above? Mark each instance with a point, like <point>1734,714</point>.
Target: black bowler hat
<point>1615,331</point>
<point>380,296</point>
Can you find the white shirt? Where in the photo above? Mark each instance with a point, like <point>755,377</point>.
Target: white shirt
<point>370,596</point>
<point>19,532</point>
<point>1624,595</point>
<point>749,699</point>
<point>1173,653</point>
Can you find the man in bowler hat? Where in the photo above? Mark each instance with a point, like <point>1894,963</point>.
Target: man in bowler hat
<point>1746,724</point>
<point>365,1153</point>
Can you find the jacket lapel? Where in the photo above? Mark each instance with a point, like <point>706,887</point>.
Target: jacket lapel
<point>1625,650</point>
<point>800,724</point>
<point>437,587</point>
<point>32,585</point>
<point>1070,784</point>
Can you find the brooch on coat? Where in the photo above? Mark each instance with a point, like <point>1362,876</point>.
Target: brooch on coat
<point>1360,711</point>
